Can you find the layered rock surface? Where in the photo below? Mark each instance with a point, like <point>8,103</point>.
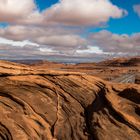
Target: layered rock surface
<point>54,105</point>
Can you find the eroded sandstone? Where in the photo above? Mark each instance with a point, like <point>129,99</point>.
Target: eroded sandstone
<point>55,105</point>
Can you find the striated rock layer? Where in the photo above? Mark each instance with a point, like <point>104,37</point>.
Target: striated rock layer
<point>53,105</point>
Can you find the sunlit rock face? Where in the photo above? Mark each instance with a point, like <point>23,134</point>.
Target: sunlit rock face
<point>53,105</point>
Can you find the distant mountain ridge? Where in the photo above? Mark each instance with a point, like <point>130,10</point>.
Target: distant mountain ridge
<point>134,61</point>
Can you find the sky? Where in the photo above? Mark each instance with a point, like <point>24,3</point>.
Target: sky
<point>60,30</point>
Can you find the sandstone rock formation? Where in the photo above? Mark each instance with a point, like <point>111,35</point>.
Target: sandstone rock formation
<point>54,105</point>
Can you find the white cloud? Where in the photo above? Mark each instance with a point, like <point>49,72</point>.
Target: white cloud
<point>83,12</point>
<point>116,43</point>
<point>36,33</point>
<point>46,50</point>
<point>66,12</point>
<point>49,41</point>
<point>62,40</point>
<point>17,43</point>
<point>14,10</point>
<point>57,37</point>
<point>90,49</point>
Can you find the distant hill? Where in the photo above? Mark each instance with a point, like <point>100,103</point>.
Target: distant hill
<point>117,62</point>
<point>124,62</point>
<point>44,64</point>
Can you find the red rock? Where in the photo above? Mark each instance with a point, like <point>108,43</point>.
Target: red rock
<point>54,105</point>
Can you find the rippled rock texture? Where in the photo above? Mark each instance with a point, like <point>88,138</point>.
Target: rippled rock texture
<point>52,105</point>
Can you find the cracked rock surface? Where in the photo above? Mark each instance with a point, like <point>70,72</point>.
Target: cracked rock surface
<point>54,105</point>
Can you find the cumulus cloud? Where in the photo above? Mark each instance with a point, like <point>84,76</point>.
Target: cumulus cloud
<point>58,37</point>
<point>83,12</point>
<point>116,43</point>
<point>19,32</point>
<point>13,10</point>
<point>66,12</point>
<point>62,40</point>
<point>52,31</point>
<point>8,51</point>
<point>137,9</point>
<point>66,42</point>
<point>48,40</point>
